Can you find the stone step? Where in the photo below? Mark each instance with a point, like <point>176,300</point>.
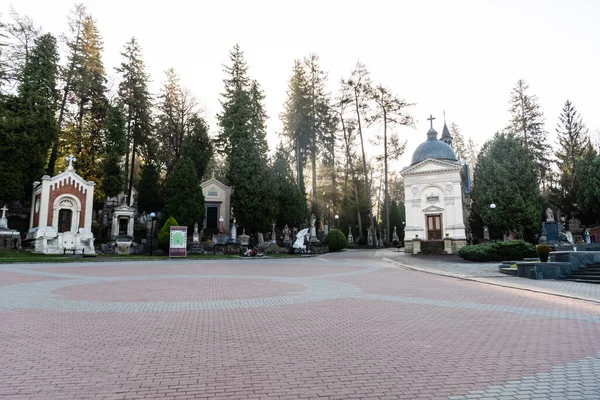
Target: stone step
<point>582,280</point>
<point>510,271</point>
<point>583,276</point>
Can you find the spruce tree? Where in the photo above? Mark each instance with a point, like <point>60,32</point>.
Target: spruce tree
<point>183,195</point>
<point>133,92</point>
<point>527,123</point>
<point>243,140</point>
<point>572,141</point>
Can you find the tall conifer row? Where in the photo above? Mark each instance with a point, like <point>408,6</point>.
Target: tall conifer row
<point>133,92</point>
<point>242,138</point>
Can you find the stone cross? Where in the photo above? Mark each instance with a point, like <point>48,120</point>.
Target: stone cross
<point>430,119</point>
<point>70,159</point>
<point>4,210</point>
<point>3,221</point>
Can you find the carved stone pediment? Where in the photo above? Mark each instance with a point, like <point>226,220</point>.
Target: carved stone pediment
<point>433,209</point>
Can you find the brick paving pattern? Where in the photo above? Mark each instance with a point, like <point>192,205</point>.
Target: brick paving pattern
<point>340,326</point>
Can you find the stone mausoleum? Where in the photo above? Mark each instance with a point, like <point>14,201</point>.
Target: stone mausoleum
<point>217,204</point>
<point>436,185</point>
<point>61,218</point>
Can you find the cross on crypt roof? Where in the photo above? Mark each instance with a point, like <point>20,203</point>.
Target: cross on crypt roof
<point>430,119</point>
<point>70,159</point>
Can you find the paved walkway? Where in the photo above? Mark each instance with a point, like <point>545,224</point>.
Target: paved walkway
<point>488,273</point>
<point>340,326</point>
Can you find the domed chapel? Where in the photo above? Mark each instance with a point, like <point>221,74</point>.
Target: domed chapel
<point>436,188</point>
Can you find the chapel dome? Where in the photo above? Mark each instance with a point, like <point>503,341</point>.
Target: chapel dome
<point>433,148</point>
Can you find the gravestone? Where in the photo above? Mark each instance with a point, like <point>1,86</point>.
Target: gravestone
<point>395,237</point>
<point>286,235</point>
<point>350,237</point>
<point>195,236</point>
<point>370,236</point>
<point>313,229</point>
<point>9,238</point>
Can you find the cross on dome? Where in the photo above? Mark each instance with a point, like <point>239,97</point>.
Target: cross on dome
<point>430,119</point>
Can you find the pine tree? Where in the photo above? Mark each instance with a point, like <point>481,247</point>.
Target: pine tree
<point>527,123</point>
<point>572,140</point>
<point>183,196</point>
<point>133,91</point>
<point>21,35</point>
<point>116,146</point>
<point>243,140</point>
<point>458,142</point>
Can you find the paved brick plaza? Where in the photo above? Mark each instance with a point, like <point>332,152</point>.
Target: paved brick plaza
<point>340,326</point>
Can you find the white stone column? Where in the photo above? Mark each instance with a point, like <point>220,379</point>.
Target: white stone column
<point>130,226</point>
<point>44,201</point>
<point>89,204</point>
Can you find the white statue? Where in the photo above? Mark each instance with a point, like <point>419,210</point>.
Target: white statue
<point>286,234</point>
<point>549,215</point>
<point>313,229</point>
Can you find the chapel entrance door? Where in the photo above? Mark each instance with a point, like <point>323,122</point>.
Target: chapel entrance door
<point>64,220</point>
<point>123,225</point>
<point>434,227</point>
<point>212,219</point>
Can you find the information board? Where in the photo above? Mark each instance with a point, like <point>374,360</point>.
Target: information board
<point>178,241</point>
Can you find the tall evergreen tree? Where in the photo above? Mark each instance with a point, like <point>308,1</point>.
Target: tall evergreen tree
<point>289,198</point>
<point>28,126</point>
<point>242,138</point>
<point>74,42</point>
<point>296,119</point>
<point>150,196</point>
<point>458,142</point>
<point>572,141</point>
<point>587,186</point>
<point>197,145</point>
<point>133,91</point>
<point>183,196</point>
<point>20,35</point>
<point>84,133</point>
<point>116,146</point>
<point>527,123</point>
<point>515,194</point>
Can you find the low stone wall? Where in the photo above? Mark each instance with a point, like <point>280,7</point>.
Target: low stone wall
<point>544,270</point>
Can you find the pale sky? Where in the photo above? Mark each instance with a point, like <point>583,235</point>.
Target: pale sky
<point>463,57</point>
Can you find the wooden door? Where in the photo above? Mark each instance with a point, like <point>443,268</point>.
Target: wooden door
<point>434,227</point>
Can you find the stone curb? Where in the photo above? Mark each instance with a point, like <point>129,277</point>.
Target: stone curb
<point>465,278</point>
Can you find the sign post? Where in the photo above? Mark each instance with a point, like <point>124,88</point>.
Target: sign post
<point>178,241</point>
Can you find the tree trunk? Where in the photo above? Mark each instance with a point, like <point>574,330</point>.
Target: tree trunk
<point>386,193</point>
<point>364,160</point>
<point>130,188</point>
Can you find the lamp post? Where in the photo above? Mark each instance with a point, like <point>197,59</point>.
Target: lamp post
<point>493,207</point>
<point>152,218</point>
<point>337,233</point>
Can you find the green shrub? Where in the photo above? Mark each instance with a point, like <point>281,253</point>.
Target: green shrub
<point>498,251</point>
<point>165,233</point>
<point>336,240</point>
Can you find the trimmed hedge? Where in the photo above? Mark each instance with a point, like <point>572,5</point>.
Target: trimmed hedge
<point>164,236</point>
<point>336,240</point>
<point>498,251</point>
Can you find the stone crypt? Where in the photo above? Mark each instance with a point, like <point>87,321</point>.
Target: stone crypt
<point>435,185</point>
<point>61,218</point>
